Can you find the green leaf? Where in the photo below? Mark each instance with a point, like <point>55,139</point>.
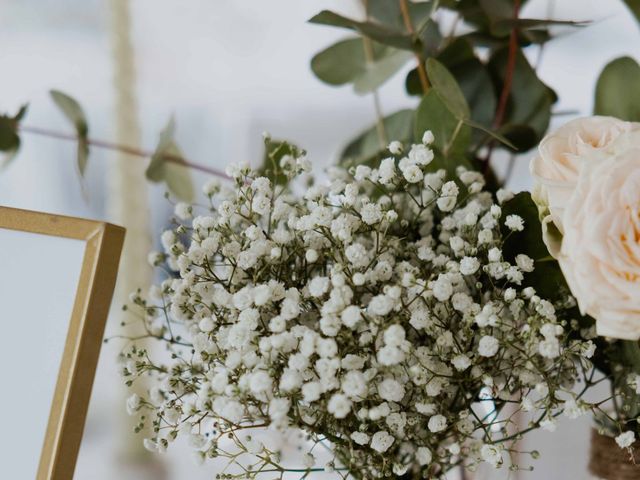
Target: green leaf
<point>493,22</point>
<point>274,152</point>
<point>366,148</point>
<point>472,76</point>
<point>345,62</point>
<point>447,87</point>
<point>379,71</point>
<point>9,137</point>
<point>504,26</point>
<point>634,6</point>
<point>491,133</point>
<point>376,31</point>
<point>340,63</point>
<point>431,38</point>
<point>530,100</point>
<point>547,278</point>
<point>165,165</point>
<point>521,136</point>
<point>618,90</point>
<point>388,12</point>
<point>451,135</point>
<point>631,353</point>
<point>74,113</point>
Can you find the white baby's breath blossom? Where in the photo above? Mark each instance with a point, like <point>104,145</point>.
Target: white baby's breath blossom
<point>395,147</point>
<point>133,404</point>
<point>492,454</point>
<point>488,346</point>
<point>437,423</point>
<point>423,456</point>
<point>514,223</point>
<point>626,439</point>
<point>428,137</point>
<point>380,310</point>
<point>183,210</point>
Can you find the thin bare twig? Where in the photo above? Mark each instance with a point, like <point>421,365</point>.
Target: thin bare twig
<point>121,148</point>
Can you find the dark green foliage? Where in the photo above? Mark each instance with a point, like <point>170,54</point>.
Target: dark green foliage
<point>346,62</point>
<point>274,151</point>
<point>466,84</point>
<point>75,114</point>
<point>547,278</point>
<point>9,137</point>
<point>530,99</point>
<point>618,90</point>
<point>165,165</point>
<point>367,148</point>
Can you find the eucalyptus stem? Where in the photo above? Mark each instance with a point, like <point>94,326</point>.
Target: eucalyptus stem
<point>368,53</point>
<point>422,72</point>
<point>508,81</point>
<point>136,152</point>
<point>511,64</point>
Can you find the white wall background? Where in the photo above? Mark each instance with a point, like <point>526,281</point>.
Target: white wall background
<point>230,69</point>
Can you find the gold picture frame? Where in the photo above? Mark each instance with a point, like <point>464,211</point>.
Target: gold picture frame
<point>103,245</point>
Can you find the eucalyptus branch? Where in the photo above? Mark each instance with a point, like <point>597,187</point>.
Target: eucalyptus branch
<point>511,65</point>
<point>133,151</point>
<point>368,53</point>
<point>508,81</point>
<point>422,72</point>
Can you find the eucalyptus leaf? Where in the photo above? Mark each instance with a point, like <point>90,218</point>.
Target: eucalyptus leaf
<point>452,136</point>
<point>388,12</point>
<point>379,71</point>
<point>472,77</point>
<point>445,84</point>
<point>165,165</point>
<point>505,25</point>
<point>522,137</point>
<point>431,38</point>
<point>492,22</point>
<point>631,353</point>
<point>9,137</point>
<point>530,100</point>
<point>366,148</point>
<point>634,6</point>
<point>491,133</point>
<point>274,152</point>
<point>340,63</point>
<point>618,90</point>
<point>75,114</point>
<point>346,62</point>
<point>381,33</point>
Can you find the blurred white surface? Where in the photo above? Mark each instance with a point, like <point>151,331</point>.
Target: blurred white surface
<point>229,70</point>
<point>37,289</point>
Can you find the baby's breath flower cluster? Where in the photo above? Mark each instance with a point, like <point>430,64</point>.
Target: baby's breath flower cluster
<point>377,314</point>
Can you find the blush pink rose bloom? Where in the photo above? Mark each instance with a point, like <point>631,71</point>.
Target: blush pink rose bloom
<point>598,210</point>
<point>600,254</point>
<point>557,166</point>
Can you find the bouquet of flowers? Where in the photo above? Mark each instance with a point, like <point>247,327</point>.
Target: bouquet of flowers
<point>407,313</point>
<point>382,314</point>
<point>588,192</point>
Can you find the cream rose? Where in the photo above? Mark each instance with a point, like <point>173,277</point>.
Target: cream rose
<point>557,166</point>
<point>600,252</point>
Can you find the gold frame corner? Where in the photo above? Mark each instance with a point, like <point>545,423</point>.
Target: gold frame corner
<point>67,415</point>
